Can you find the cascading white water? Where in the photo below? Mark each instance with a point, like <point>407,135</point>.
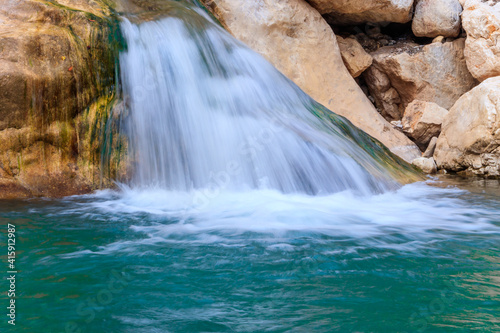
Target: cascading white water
<point>205,109</point>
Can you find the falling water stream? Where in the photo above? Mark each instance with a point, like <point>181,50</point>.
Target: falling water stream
<point>206,109</point>
<point>251,209</point>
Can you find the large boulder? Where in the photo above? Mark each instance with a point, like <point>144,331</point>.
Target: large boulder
<point>470,136</point>
<point>422,121</point>
<point>427,165</point>
<point>296,39</point>
<point>360,11</point>
<point>407,71</point>
<point>481,21</point>
<point>434,18</point>
<point>55,62</point>
<point>356,59</point>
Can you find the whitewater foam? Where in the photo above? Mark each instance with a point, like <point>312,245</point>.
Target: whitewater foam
<point>405,219</point>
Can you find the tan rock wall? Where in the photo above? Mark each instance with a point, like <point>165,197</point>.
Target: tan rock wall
<point>57,59</point>
<point>481,21</point>
<point>470,136</point>
<point>297,41</point>
<point>437,18</point>
<point>358,11</point>
<point>432,73</point>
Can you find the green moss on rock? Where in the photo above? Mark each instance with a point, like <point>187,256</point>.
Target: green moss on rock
<point>58,82</point>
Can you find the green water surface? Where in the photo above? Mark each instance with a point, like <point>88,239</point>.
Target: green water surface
<point>84,269</point>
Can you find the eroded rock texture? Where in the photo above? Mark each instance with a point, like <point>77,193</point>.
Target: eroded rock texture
<point>359,11</point>
<point>470,136</point>
<point>57,63</point>
<point>434,18</point>
<point>407,71</point>
<point>481,21</point>
<point>296,39</point>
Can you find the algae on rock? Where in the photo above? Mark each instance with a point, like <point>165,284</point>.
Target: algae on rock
<point>58,64</point>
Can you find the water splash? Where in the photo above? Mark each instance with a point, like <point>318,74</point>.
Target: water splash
<point>207,111</point>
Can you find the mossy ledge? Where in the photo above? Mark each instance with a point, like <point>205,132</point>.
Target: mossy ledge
<point>58,86</point>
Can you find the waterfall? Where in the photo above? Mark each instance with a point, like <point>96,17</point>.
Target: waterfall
<point>204,109</point>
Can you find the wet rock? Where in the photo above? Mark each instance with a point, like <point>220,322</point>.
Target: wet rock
<point>470,136</point>
<point>41,99</point>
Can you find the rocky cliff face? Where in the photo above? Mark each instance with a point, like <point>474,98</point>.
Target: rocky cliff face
<point>58,67</point>
<point>57,77</point>
<point>407,71</point>
<point>359,11</point>
<point>297,41</point>
<point>437,18</point>
<point>481,21</point>
<point>443,49</point>
<point>470,138</point>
